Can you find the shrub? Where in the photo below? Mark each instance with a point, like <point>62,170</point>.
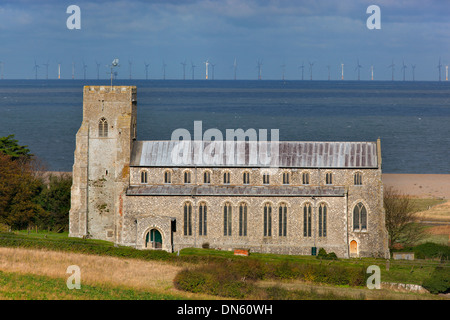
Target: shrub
<point>326,256</point>
<point>439,281</point>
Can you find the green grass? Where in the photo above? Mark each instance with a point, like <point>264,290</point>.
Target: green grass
<point>15,286</point>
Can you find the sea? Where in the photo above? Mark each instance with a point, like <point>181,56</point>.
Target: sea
<point>412,118</point>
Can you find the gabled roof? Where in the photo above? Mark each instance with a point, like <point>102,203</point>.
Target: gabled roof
<point>283,154</point>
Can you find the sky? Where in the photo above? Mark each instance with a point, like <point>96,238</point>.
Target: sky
<point>282,35</point>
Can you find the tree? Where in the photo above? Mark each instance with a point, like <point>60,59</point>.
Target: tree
<point>400,218</point>
<point>11,147</point>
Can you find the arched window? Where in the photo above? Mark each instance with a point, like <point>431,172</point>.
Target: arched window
<point>243,219</point>
<point>103,128</point>
<point>187,177</point>
<point>187,222</point>
<point>246,177</point>
<point>357,179</point>
<point>307,210</point>
<point>286,177</point>
<point>359,217</point>
<point>207,177</point>
<point>323,220</point>
<point>167,176</point>
<point>329,178</point>
<point>226,177</point>
<point>282,220</point>
<point>267,220</point>
<point>202,219</point>
<point>227,211</point>
<point>144,176</point>
<point>305,178</point>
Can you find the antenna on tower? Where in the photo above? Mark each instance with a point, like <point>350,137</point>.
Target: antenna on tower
<point>146,70</point>
<point>302,67</point>
<point>439,67</point>
<point>259,66</point>
<point>403,69</point>
<point>358,66</point>
<point>392,66</point>
<point>36,66</point>
<point>184,69</point>
<point>310,69</point>
<point>114,64</point>
<point>413,66</point>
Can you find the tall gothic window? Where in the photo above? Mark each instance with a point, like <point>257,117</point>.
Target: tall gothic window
<point>243,219</point>
<point>359,217</point>
<point>202,219</point>
<point>187,222</point>
<point>282,220</point>
<point>307,211</point>
<point>323,220</point>
<point>267,220</point>
<point>103,128</point>
<point>227,211</point>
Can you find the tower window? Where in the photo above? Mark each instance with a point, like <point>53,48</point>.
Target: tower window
<point>266,178</point>
<point>285,177</point>
<point>246,177</point>
<point>226,178</point>
<point>329,178</point>
<point>207,177</point>
<point>305,178</point>
<point>144,176</point>
<point>103,128</point>
<point>167,176</point>
<point>187,177</point>
<point>357,179</point>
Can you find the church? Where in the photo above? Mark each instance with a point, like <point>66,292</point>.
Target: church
<point>137,193</point>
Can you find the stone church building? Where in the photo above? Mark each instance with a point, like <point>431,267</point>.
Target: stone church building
<point>321,195</point>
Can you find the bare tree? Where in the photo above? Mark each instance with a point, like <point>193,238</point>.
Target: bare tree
<point>401,218</point>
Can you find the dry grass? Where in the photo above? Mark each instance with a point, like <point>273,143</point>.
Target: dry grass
<point>440,212</point>
<point>94,269</point>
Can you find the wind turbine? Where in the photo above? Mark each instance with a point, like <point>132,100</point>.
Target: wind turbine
<point>207,68</point>
<point>259,66</point>
<point>310,69</point>
<point>164,70</point>
<point>446,73</point>
<point>413,66</point>
<point>358,66</point>
<point>235,67</point>
<point>98,69</point>
<point>439,67</point>
<point>302,67</point>
<point>146,70</point>
<point>59,69</point>
<point>392,66</point>
<point>36,66</point>
<point>84,70</point>
<point>184,69</point>
<point>73,69</point>
<point>193,69</point>
<point>371,72</point>
<point>129,67</point>
<point>403,69</point>
<point>283,68</point>
<point>212,69</point>
<point>46,65</point>
<point>342,71</point>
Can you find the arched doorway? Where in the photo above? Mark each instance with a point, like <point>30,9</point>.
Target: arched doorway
<point>353,248</point>
<point>153,239</point>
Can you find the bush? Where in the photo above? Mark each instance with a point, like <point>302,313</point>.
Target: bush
<point>439,281</point>
<point>326,256</point>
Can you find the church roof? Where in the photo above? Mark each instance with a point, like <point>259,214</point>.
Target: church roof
<point>283,154</point>
<point>211,190</point>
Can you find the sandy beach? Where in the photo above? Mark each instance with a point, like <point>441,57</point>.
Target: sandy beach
<point>420,185</point>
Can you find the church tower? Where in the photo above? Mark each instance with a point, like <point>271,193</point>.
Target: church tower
<point>102,157</point>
